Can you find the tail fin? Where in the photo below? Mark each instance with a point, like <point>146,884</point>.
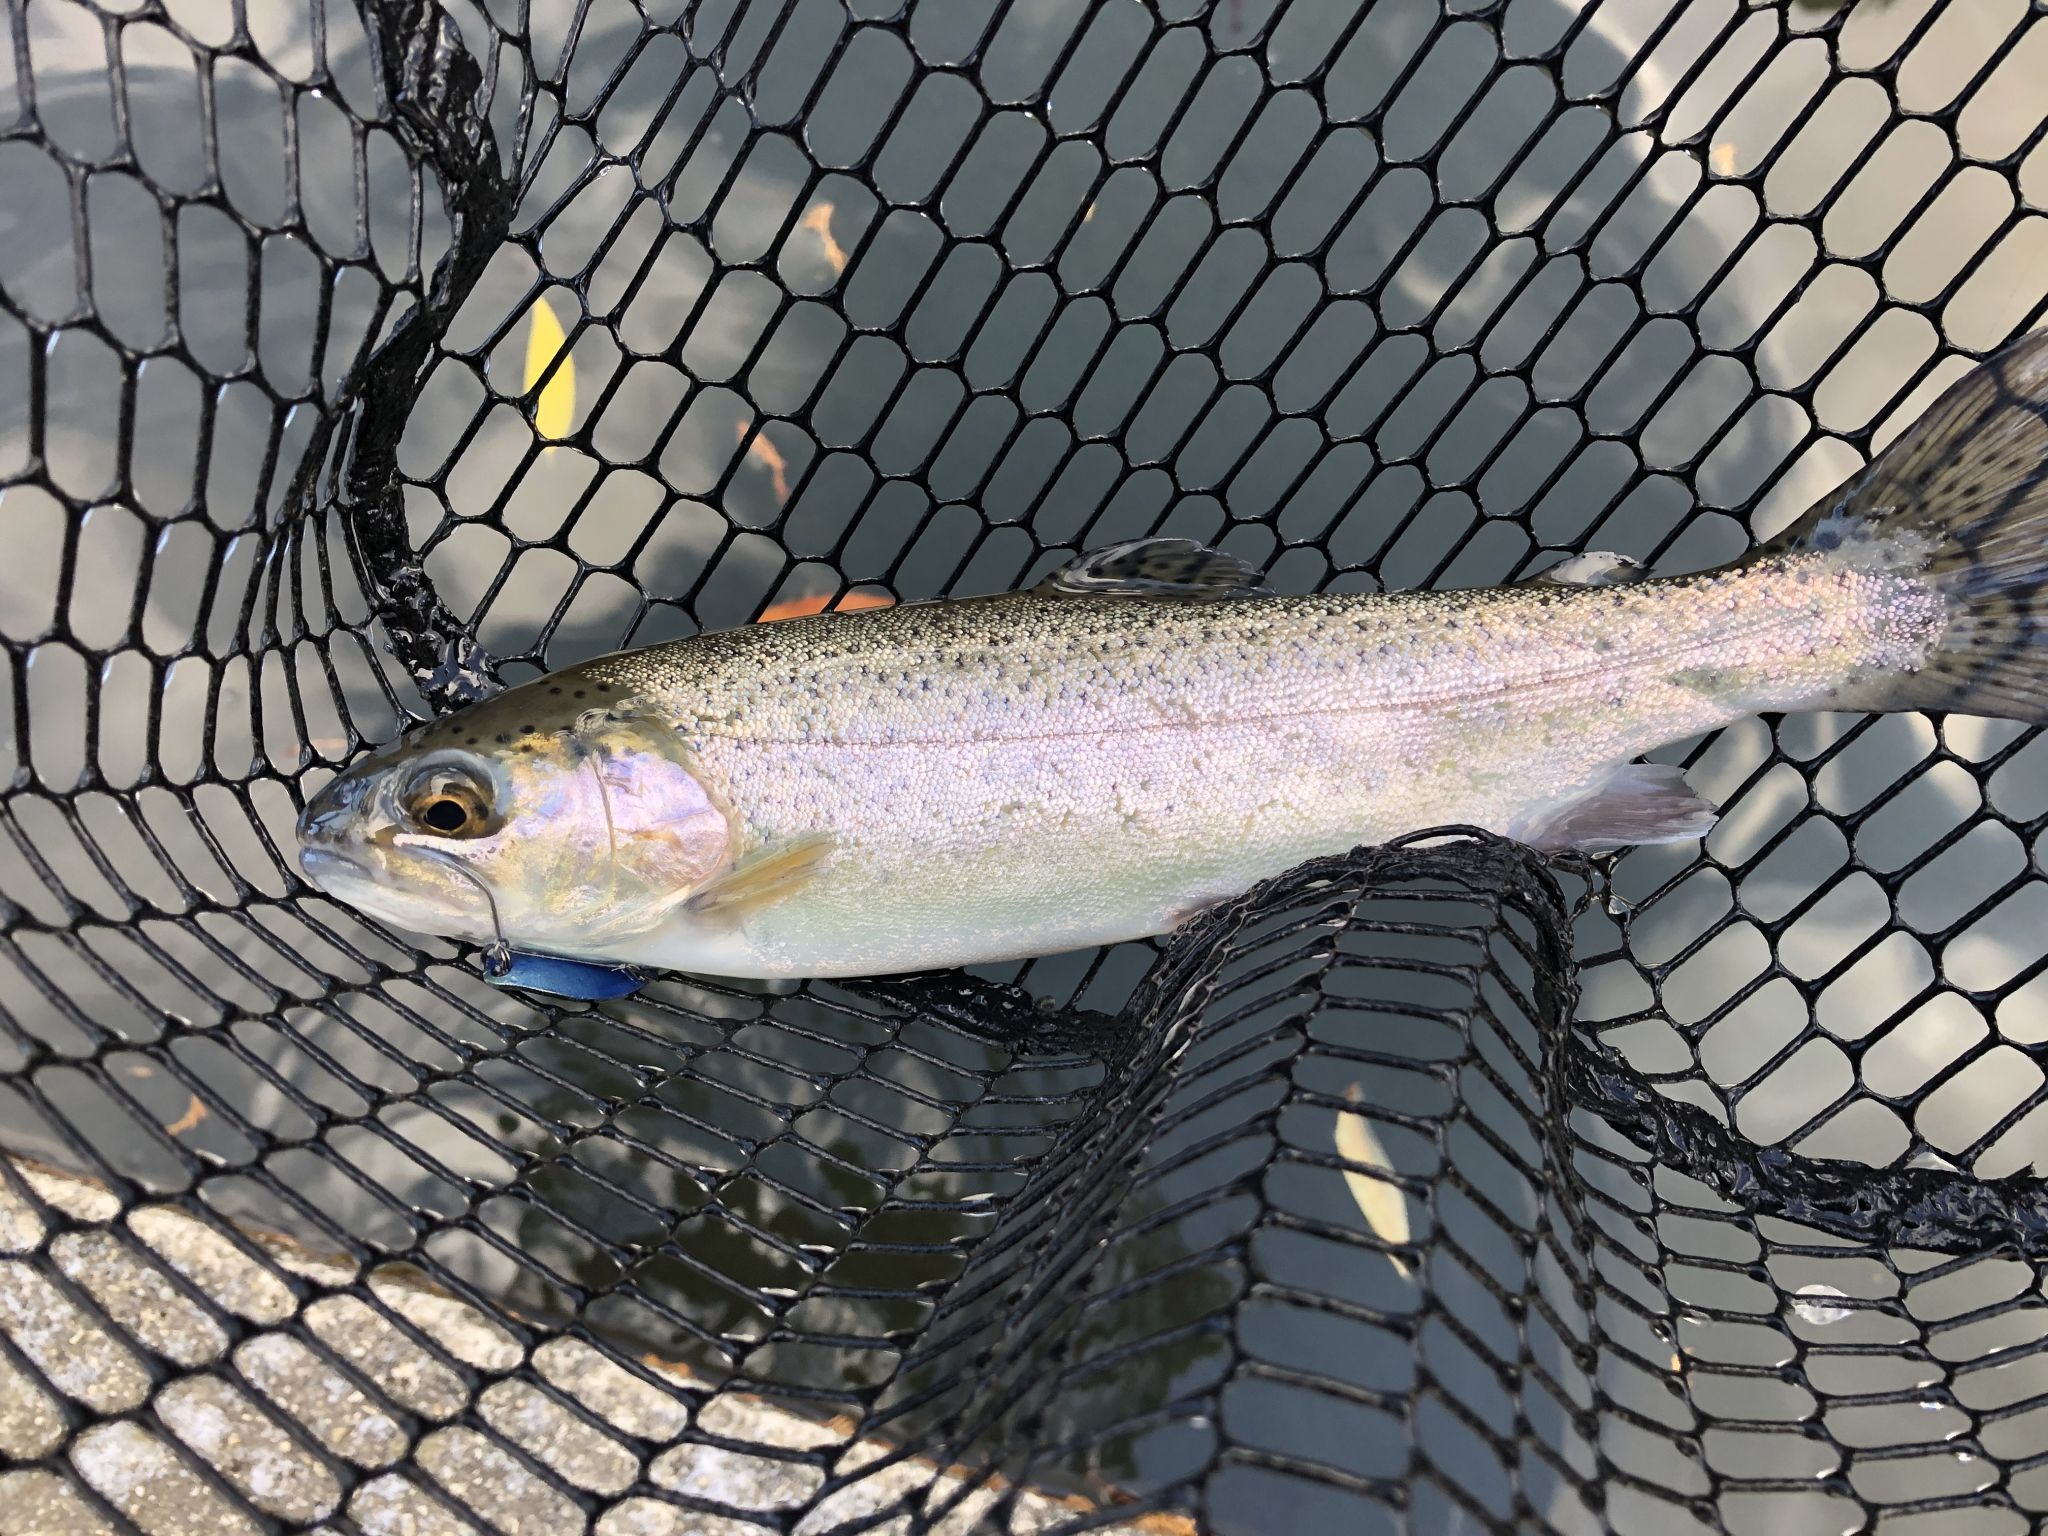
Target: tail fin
<point>1964,494</point>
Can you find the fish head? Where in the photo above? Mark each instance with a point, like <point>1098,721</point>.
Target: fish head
<point>509,820</point>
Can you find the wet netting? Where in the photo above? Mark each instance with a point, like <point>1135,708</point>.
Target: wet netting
<point>357,360</point>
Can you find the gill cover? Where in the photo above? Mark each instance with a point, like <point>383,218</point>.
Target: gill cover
<point>668,834</point>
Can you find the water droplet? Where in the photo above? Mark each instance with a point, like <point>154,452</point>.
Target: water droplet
<point>1819,1313</point>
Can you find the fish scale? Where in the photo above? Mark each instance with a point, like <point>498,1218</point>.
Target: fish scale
<point>1007,779</point>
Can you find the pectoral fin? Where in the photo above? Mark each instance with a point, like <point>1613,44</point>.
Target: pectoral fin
<point>763,878</point>
<point>1636,803</point>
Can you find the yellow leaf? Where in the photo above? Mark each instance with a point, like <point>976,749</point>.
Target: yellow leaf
<point>556,407</point>
<point>1379,1201</point>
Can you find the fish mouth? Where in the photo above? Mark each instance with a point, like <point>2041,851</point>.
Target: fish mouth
<point>327,868</point>
<point>465,910</point>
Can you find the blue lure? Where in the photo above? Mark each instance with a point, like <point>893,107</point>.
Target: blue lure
<point>579,979</point>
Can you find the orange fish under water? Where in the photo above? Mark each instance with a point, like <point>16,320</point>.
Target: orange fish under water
<point>818,602</point>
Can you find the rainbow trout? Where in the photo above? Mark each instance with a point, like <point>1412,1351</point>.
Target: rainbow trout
<point>1151,731</point>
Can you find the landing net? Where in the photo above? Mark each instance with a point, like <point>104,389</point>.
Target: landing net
<point>356,361</point>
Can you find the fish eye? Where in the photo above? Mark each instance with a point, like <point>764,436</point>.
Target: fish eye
<point>444,813</point>
<point>449,805</point>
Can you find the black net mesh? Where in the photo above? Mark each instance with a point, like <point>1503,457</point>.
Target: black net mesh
<point>355,360</point>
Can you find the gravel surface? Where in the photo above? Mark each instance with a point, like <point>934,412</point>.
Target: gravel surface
<point>306,1417</point>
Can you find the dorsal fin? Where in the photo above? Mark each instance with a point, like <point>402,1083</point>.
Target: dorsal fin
<point>1594,568</point>
<point>1178,569</point>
